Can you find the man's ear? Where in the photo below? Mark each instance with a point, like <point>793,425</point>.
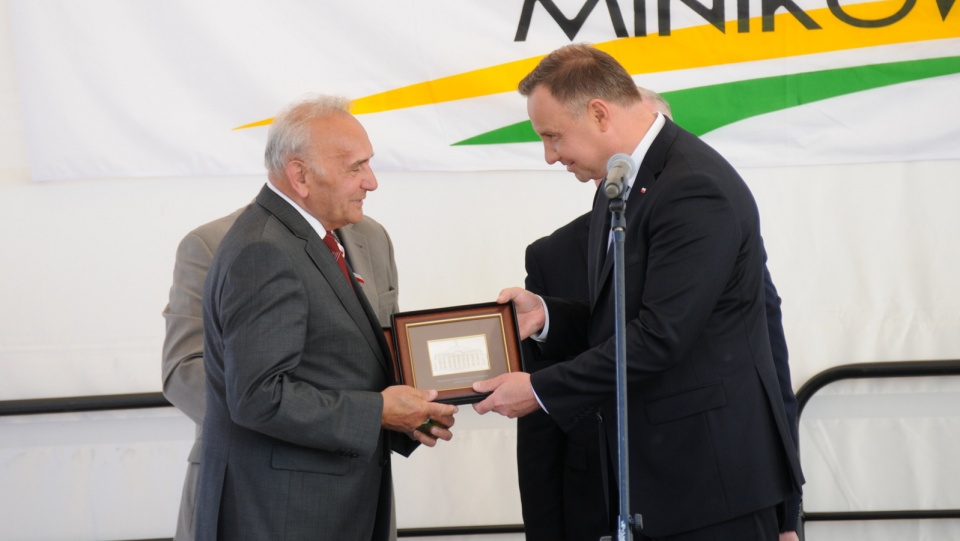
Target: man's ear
<point>598,113</point>
<point>296,173</point>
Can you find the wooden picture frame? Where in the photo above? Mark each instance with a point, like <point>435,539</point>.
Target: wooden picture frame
<point>448,349</point>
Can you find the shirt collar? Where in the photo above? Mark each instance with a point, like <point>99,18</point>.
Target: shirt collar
<point>314,223</point>
<point>641,151</point>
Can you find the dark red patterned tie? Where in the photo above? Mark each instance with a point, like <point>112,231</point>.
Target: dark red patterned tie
<point>337,253</point>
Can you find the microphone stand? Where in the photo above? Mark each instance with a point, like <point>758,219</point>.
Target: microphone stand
<point>625,522</point>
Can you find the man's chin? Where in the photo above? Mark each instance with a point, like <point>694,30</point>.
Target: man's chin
<point>583,177</point>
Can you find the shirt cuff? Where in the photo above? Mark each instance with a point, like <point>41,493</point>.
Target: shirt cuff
<point>542,335</point>
<point>544,408</point>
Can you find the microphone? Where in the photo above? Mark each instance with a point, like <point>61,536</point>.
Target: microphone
<point>619,168</point>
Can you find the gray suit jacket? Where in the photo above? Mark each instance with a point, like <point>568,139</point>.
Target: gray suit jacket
<point>369,254</point>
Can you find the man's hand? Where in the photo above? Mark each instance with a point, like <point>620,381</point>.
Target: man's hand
<point>512,395</point>
<point>789,536</point>
<point>413,411</point>
<point>530,315</point>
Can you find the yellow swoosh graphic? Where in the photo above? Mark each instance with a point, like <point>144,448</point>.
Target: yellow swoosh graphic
<point>694,47</point>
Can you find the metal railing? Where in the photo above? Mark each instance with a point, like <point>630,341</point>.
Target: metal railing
<point>807,390</point>
<point>898,369</point>
<point>73,404</point>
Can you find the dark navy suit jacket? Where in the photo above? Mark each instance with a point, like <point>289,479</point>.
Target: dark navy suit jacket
<point>561,483</point>
<point>709,436</point>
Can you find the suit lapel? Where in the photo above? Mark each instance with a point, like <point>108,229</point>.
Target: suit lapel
<point>644,179</point>
<point>355,304</point>
<point>359,260</point>
<point>601,259</point>
<point>359,257</point>
<point>597,243</point>
<point>352,298</point>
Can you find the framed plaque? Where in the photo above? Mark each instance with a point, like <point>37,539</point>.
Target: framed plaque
<point>448,349</point>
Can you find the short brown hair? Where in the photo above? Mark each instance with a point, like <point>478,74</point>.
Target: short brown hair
<point>577,73</point>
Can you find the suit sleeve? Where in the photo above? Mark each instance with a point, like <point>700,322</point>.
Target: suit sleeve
<point>540,443</point>
<point>263,342</point>
<point>778,345</point>
<point>534,284</point>
<point>393,279</point>
<point>370,252</point>
<point>184,380</point>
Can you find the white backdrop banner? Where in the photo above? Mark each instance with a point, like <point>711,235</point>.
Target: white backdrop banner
<point>121,88</point>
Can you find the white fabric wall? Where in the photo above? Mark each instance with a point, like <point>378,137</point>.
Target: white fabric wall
<point>865,257</point>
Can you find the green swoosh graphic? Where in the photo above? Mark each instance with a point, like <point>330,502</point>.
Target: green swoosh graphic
<point>703,109</point>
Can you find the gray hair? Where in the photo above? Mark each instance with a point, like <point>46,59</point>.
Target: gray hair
<point>657,100</point>
<point>289,134</point>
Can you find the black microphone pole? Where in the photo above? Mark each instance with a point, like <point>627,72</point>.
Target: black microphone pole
<point>620,168</point>
<point>625,523</point>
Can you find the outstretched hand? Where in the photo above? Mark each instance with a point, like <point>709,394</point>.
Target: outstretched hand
<point>512,395</point>
<point>530,315</point>
<point>413,411</point>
